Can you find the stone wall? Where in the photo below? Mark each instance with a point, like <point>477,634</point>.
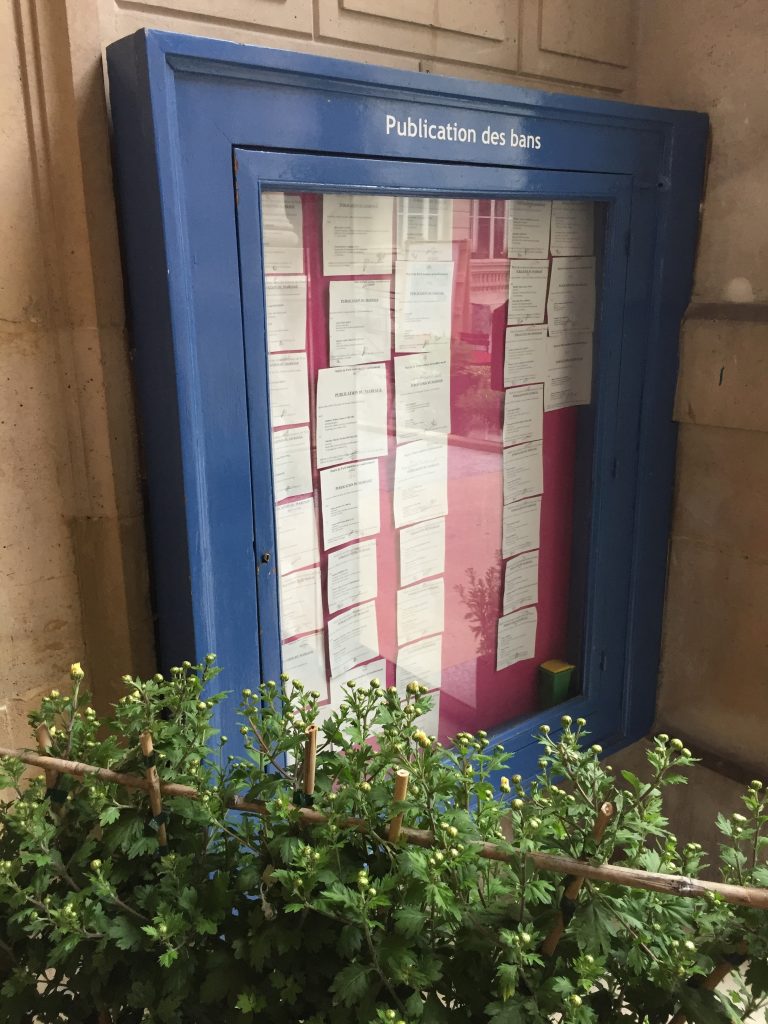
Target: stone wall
<point>708,55</point>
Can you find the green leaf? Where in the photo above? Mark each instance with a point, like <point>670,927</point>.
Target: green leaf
<point>702,1007</point>
<point>125,933</point>
<point>350,983</point>
<point>757,977</point>
<point>410,921</point>
<point>108,815</point>
<point>349,941</point>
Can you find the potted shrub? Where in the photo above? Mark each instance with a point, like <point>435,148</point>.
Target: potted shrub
<point>327,896</point>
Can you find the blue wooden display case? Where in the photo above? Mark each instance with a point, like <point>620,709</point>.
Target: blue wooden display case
<point>201,128</point>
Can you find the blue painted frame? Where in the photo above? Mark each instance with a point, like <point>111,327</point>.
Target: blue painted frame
<point>185,111</point>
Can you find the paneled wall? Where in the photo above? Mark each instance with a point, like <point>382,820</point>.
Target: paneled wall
<point>711,56</point>
<point>73,574</point>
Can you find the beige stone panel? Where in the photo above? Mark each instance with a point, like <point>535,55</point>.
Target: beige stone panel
<point>723,369</point>
<point>715,649</point>
<point>473,73</point>
<point>22,276</point>
<point>111,569</point>
<point>722,489</point>
<point>596,30</point>
<point>482,32</point>
<point>286,15</point>
<point>589,43</point>
<point>116,23</point>
<point>33,443</point>
<point>710,55</point>
<point>39,636</point>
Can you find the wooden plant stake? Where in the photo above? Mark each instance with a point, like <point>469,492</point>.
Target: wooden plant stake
<point>310,765</point>
<point>572,889</point>
<point>613,874</point>
<point>55,795</point>
<point>155,799</point>
<point>401,789</point>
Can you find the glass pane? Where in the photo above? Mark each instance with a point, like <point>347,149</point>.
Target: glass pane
<point>431,365</point>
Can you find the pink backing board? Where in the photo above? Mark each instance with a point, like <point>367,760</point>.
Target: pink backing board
<point>473,694</point>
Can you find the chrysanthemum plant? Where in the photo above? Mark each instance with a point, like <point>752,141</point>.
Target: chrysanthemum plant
<point>271,917</point>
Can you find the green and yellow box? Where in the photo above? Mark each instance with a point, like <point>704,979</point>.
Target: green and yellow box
<point>555,678</point>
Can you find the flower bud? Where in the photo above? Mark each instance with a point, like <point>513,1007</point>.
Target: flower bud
<point>504,785</point>
<point>566,720</point>
<point>95,865</point>
<point>76,671</point>
<point>55,694</point>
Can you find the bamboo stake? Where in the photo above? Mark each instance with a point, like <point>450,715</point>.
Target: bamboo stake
<point>632,878</point>
<point>310,761</point>
<point>44,743</point>
<point>572,889</point>
<point>401,789</point>
<point>155,799</point>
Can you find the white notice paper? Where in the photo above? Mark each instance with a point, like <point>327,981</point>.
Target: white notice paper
<point>571,301</point>
<point>357,234</point>
<point>523,471</point>
<point>516,638</point>
<point>521,526</point>
<point>528,228</point>
<point>421,663</point>
<point>288,388</point>
<point>286,299</point>
<point>521,581</point>
<point>304,659</point>
<point>282,233</point>
<point>359,322</point>
<point>291,462</point>
<point>524,414</point>
<point>422,395</point>
<point>352,575</point>
<point>360,676</point>
<point>423,294</point>
<point>569,370</point>
<point>351,413</point>
<point>420,610</point>
<point>297,544</point>
<point>301,608</point>
<point>524,356</point>
<point>422,551</point>
<point>573,228</point>
<point>527,291</point>
<point>421,480</point>
<point>353,637</point>
<point>350,502</point>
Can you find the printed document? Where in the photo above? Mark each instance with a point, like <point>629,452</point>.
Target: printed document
<point>351,414</point>
<point>516,638</point>
<point>350,502</point>
<point>353,637</point>
<point>352,575</point>
<point>359,322</point>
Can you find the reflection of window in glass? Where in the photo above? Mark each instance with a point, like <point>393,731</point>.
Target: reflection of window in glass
<point>488,228</point>
<point>423,219</point>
